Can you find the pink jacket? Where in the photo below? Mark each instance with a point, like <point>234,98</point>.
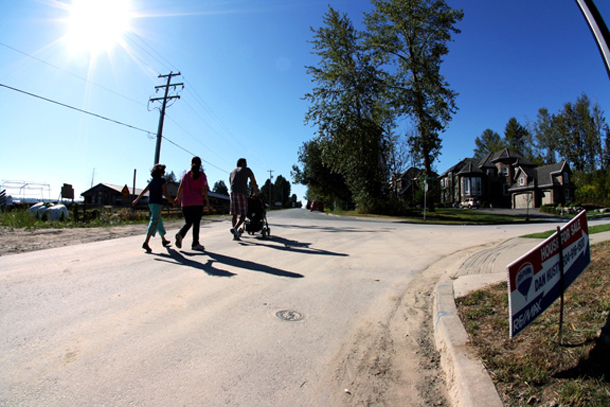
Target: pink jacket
<point>192,189</point>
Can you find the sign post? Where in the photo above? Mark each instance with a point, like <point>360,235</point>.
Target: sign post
<point>541,276</point>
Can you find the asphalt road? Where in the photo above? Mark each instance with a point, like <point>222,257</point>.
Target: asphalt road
<point>104,324</point>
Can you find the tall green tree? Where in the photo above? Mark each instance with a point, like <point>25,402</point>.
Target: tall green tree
<point>545,136</point>
<point>606,152</point>
<point>488,142</point>
<point>322,182</point>
<point>411,36</point>
<point>281,191</point>
<point>349,110</point>
<point>580,131</point>
<point>517,138</point>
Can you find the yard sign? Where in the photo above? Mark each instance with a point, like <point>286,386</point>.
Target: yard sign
<point>534,280</point>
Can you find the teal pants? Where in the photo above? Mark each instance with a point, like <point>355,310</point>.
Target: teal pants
<point>156,223</point>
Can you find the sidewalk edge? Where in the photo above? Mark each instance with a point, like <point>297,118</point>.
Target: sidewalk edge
<point>468,383</point>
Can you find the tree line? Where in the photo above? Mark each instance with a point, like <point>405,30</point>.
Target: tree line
<point>577,133</point>
<point>275,194</point>
<point>366,81</point>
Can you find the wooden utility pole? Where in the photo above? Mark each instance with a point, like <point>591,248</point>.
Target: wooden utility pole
<point>165,98</point>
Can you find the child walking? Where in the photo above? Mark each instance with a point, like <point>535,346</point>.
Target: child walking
<point>158,188</point>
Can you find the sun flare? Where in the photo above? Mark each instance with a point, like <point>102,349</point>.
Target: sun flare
<point>96,26</point>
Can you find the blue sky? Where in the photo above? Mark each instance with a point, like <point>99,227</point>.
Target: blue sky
<point>243,67</point>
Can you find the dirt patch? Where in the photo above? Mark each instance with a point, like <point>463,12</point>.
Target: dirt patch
<point>533,369</point>
<point>21,240</point>
<point>392,361</point>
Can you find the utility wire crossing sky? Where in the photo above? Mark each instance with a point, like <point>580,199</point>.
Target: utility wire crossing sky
<point>77,82</point>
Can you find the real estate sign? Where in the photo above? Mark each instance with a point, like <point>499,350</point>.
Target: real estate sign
<point>534,280</point>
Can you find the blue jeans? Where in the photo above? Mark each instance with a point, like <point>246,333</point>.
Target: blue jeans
<point>156,223</point>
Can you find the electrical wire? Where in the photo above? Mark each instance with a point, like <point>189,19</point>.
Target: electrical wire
<point>149,133</point>
<point>76,108</point>
<point>190,89</point>
<point>70,73</point>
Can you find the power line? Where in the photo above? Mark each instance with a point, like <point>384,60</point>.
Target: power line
<point>77,109</point>
<point>190,89</point>
<point>70,73</point>
<point>196,96</point>
<point>151,134</point>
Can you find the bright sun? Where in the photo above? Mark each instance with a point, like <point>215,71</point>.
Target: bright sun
<point>96,26</point>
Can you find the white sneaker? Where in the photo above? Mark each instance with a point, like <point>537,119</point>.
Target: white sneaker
<point>198,247</point>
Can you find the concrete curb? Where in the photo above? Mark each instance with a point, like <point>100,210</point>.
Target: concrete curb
<point>468,382</point>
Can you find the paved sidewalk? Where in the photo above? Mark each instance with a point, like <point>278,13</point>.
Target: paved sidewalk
<point>468,381</point>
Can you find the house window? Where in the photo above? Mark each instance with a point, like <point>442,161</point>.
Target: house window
<point>566,178</point>
<point>476,186</point>
<point>522,181</point>
<point>505,171</point>
<point>490,172</point>
<point>472,186</point>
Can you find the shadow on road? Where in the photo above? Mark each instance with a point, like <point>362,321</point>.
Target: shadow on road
<point>292,246</point>
<point>332,229</point>
<point>250,265</point>
<point>176,257</point>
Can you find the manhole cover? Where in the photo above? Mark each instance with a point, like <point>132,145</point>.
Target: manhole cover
<point>288,315</point>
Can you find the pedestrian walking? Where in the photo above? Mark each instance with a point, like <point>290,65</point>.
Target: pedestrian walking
<point>158,188</point>
<point>239,194</point>
<point>193,190</point>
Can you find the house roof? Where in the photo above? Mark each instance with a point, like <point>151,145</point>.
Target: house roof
<point>470,167</point>
<point>545,173</point>
<point>117,188</point>
<point>456,167</point>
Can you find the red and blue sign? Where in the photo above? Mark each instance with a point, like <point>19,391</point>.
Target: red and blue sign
<point>534,280</point>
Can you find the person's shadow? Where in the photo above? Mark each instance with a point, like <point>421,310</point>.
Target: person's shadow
<point>294,246</point>
<point>250,265</point>
<point>177,257</point>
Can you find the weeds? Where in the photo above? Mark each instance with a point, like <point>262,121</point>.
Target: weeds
<point>22,218</point>
<point>532,369</point>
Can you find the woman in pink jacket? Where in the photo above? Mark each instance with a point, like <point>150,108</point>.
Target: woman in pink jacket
<point>191,193</point>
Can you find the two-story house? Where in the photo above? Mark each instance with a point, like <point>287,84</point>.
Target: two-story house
<point>505,179</point>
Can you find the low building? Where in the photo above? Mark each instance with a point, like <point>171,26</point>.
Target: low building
<point>506,179</point>
<point>116,195</point>
<point>110,195</point>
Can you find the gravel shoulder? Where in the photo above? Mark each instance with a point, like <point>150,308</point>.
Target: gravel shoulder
<point>21,240</point>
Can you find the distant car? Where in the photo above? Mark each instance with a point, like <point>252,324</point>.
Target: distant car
<point>317,206</point>
<point>470,203</point>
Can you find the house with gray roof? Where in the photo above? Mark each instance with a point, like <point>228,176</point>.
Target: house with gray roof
<point>505,179</point>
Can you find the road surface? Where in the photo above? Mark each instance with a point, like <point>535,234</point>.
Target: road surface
<point>328,312</point>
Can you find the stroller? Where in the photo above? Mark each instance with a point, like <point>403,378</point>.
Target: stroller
<point>256,218</point>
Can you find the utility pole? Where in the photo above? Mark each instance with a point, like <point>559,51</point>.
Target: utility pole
<point>165,98</point>
<point>270,178</point>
